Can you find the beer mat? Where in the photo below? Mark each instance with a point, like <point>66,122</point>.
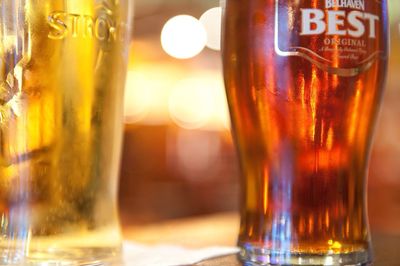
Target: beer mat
<point>167,255</point>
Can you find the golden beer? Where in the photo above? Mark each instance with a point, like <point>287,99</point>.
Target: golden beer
<point>304,82</point>
<point>62,71</point>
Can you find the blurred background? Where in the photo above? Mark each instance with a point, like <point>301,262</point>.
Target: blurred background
<point>178,156</point>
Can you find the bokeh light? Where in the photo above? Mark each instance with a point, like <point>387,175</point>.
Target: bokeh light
<point>183,37</point>
<point>211,21</point>
<point>191,104</point>
<point>146,97</point>
<point>137,100</point>
<point>197,152</point>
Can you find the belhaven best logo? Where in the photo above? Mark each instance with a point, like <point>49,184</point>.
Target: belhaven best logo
<point>332,22</point>
<point>340,36</point>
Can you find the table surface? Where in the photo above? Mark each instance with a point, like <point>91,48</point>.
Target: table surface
<point>221,230</point>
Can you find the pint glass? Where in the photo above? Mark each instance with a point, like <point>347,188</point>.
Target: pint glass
<point>62,71</point>
<point>304,81</point>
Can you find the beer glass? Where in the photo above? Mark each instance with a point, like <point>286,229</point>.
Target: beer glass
<point>62,71</point>
<point>304,81</point>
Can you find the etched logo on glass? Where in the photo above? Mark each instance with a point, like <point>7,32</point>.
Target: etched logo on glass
<point>101,26</point>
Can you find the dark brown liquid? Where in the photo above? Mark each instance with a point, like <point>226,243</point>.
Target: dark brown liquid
<point>303,136</point>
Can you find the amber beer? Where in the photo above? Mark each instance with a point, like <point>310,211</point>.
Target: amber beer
<point>304,82</point>
<point>62,71</point>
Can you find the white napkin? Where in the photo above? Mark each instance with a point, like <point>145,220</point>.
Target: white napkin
<point>166,255</point>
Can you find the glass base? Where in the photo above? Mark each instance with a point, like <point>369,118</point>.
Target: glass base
<point>256,256</point>
<point>66,257</point>
<point>100,247</point>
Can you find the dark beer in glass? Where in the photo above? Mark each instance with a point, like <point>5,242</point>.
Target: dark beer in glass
<point>304,81</point>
